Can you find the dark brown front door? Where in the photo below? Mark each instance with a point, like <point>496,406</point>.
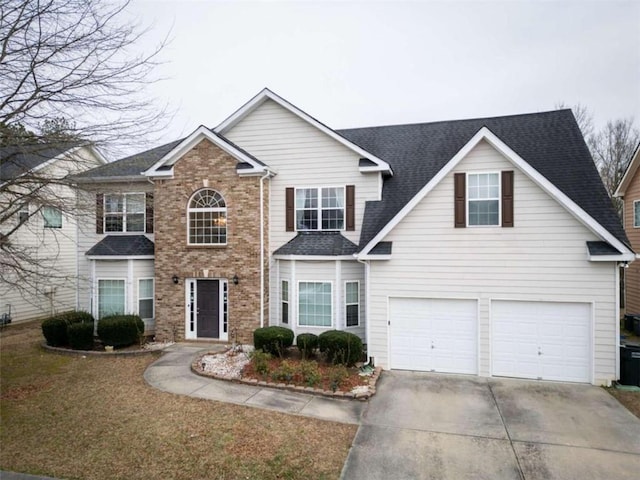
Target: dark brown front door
<point>208,308</point>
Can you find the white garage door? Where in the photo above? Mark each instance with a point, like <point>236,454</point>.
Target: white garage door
<point>438,335</point>
<point>542,340</point>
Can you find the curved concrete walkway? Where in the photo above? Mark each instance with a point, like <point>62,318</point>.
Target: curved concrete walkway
<point>172,373</point>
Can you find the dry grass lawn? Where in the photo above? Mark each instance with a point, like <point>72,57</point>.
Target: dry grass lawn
<point>96,418</point>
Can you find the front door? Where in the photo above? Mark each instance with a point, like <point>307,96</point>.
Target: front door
<point>208,308</point>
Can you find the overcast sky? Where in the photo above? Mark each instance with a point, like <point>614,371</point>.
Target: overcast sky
<point>353,64</point>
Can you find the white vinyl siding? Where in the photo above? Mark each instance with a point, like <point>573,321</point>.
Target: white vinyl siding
<point>542,258</point>
<point>303,156</point>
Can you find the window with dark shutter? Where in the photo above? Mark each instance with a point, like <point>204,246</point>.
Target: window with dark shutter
<point>149,212</point>
<point>507,198</point>
<point>290,209</point>
<point>460,202</point>
<point>99,213</point>
<point>350,202</point>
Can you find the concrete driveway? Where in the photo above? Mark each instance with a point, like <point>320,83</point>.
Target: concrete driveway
<point>435,426</point>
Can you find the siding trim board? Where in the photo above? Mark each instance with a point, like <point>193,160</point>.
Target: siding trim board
<point>484,134</point>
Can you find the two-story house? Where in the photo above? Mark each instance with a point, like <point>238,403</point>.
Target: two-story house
<point>629,192</point>
<point>484,246</point>
<point>38,227</point>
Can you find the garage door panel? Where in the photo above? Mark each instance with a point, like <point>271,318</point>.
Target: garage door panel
<point>433,335</point>
<point>544,340</point>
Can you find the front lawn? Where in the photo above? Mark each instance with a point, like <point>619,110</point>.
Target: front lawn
<point>96,418</point>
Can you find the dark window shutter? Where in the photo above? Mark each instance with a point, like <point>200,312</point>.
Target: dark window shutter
<point>507,198</point>
<point>350,203</point>
<point>99,213</point>
<point>460,200</point>
<point>149,212</point>
<point>290,209</point>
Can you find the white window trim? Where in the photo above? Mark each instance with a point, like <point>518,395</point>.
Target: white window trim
<point>319,208</point>
<point>124,214</point>
<point>347,304</point>
<point>635,202</point>
<point>153,296</point>
<point>319,327</point>
<point>224,209</point>
<point>466,193</point>
<point>98,280</point>
<point>287,301</point>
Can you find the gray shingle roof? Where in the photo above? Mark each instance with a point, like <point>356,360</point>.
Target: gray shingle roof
<point>17,160</point>
<point>601,248</point>
<point>122,246</point>
<point>381,248</point>
<point>129,166</point>
<point>550,142</point>
<point>318,243</point>
<point>138,163</point>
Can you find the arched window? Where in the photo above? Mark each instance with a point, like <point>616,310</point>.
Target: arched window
<point>207,218</point>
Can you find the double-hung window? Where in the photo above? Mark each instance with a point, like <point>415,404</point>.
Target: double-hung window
<point>320,208</point>
<point>314,304</point>
<point>352,303</point>
<point>483,197</point>
<point>124,212</point>
<point>284,292</point>
<point>145,298</point>
<point>636,213</point>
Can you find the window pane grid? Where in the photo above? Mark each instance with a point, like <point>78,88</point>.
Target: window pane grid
<point>207,218</point>
<point>124,212</point>
<point>352,303</point>
<point>314,304</point>
<point>484,198</point>
<point>326,214</point>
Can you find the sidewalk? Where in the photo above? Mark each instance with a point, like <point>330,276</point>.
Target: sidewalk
<point>172,373</point>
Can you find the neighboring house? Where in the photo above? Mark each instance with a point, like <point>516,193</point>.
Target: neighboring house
<point>485,246</point>
<point>45,233</point>
<point>629,192</point>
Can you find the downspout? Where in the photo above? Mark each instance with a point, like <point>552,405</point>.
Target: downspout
<point>266,175</point>
<point>367,303</point>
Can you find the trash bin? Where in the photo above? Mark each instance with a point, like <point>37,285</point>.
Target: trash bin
<point>628,322</point>
<point>630,365</point>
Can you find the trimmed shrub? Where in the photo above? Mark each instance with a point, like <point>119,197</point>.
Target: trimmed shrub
<point>274,340</point>
<point>120,330</point>
<point>307,343</point>
<point>54,330</point>
<point>80,335</point>
<point>340,347</point>
<point>77,317</point>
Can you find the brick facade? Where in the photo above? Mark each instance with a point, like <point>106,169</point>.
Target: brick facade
<point>206,165</point>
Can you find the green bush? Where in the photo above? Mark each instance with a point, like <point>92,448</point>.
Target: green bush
<point>260,362</point>
<point>307,343</point>
<point>120,330</point>
<point>274,340</point>
<point>54,330</point>
<point>76,317</point>
<point>310,373</point>
<point>80,335</point>
<point>284,372</point>
<point>337,375</point>
<point>340,347</point>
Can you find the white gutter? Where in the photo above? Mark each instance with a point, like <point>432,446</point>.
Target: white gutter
<point>368,304</point>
